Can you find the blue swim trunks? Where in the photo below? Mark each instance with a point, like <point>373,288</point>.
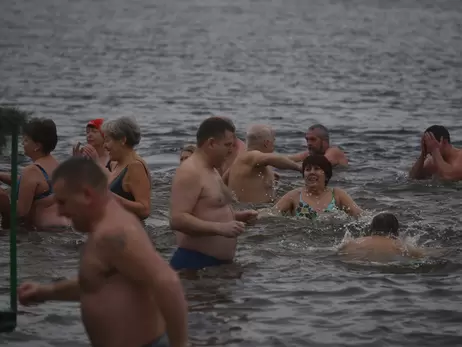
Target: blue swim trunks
<point>160,342</point>
<point>188,259</point>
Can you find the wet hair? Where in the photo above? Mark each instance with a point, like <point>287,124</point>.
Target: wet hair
<point>213,127</point>
<point>322,131</point>
<point>78,171</point>
<point>321,161</point>
<point>189,148</point>
<point>42,131</point>
<point>385,224</point>
<point>440,132</point>
<point>123,127</point>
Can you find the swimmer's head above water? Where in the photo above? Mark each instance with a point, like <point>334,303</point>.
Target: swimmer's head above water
<point>186,152</point>
<point>215,138</point>
<point>317,170</point>
<point>80,191</point>
<point>94,134</point>
<point>441,134</point>
<point>385,224</point>
<point>317,139</point>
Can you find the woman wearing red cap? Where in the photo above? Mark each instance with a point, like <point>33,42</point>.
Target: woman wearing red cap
<point>95,144</point>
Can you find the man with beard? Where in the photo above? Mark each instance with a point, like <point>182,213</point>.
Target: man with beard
<point>317,139</point>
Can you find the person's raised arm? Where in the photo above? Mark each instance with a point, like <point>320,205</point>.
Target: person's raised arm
<point>299,157</point>
<point>422,168</point>
<point>135,258</point>
<point>279,161</point>
<point>139,182</point>
<point>186,190</point>
<point>347,204</point>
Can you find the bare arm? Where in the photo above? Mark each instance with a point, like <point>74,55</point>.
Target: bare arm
<point>139,183</point>
<point>66,290</point>
<point>186,190</point>
<point>5,177</point>
<point>298,157</point>
<point>446,171</point>
<point>27,190</point>
<point>347,204</point>
<point>285,205</point>
<point>272,159</point>
<point>421,169</point>
<point>132,254</point>
<point>336,156</point>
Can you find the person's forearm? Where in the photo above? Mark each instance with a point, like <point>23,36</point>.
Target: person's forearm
<point>444,169</point>
<point>417,170</point>
<point>193,226</point>
<point>174,308</point>
<point>134,207</point>
<point>298,157</point>
<point>66,290</point>
<point>284,163</point>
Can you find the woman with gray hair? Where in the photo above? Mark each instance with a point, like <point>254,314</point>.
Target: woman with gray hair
<point>130,180</point>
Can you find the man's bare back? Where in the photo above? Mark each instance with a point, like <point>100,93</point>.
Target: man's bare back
<point>377,248</point>
<point>250,177</point>
<point>251,183</point>
<point>129,296</point>
<point>116,310</point>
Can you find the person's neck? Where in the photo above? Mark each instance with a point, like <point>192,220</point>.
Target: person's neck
<point>98,211</point>
<point>314,190</point>
<point>205,158</point>
<point>38,156</point>
<point>126,158</point>
<point>254,147</point>
<point>450,153</point>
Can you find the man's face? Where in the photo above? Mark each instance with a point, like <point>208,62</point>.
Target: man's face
<point>220,148</point>
<point>316,145</point>
<point>73,204</point>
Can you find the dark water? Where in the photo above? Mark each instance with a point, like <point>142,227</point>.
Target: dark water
<point>376,73</point>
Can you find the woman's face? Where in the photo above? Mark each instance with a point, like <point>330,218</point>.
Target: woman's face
<point>115,148</point>
<point>94,137</point>
<point>314,176</point>
<point>30,147</point>
<point>184,155</point>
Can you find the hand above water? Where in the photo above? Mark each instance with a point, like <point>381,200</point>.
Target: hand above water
<point>232,229</point>
<point>30,293</point>
<point>431,143</point>
<point>247,216</point>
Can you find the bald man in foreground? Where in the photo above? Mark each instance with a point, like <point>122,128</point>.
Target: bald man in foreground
<point>250,177</point>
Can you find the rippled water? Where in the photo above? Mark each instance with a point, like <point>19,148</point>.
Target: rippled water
<point>377,73</point>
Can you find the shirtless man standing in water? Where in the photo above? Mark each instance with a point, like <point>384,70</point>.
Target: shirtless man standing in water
<point>200,205</point>
<point>129,296</point>
<point>250,177</point>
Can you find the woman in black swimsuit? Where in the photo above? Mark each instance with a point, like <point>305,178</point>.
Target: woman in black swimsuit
<point>130,180</point>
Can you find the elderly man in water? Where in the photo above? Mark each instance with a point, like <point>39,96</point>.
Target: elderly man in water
<point>318,142</point>
<point>201,213</point>
<point>129,296</point>
<point>437,156</point>
<point>250,177</point>
<point>382,244</point>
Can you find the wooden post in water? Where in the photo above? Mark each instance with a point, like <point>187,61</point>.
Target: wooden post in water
<point>11,119</point>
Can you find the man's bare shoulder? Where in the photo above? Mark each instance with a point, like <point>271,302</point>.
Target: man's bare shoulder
<point>191,168</point>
